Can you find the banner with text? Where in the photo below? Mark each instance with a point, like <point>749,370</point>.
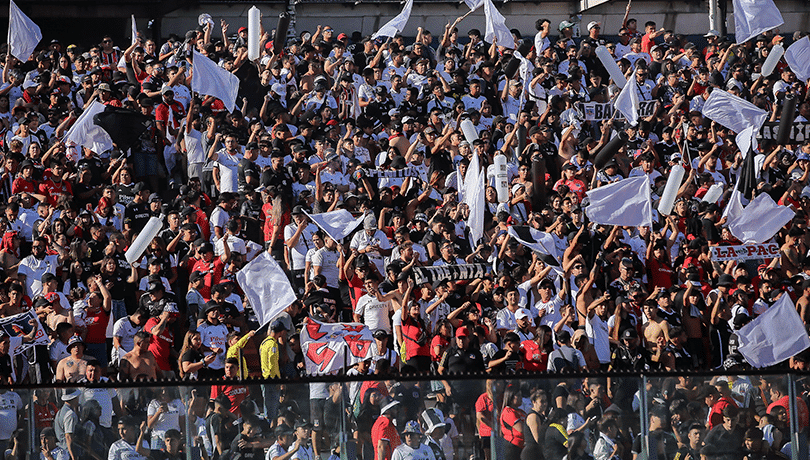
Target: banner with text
<point>450,272</point>
<point>595,111</point>
<point>20,325</point>
<point>745,252</point>
<point>799,132</point>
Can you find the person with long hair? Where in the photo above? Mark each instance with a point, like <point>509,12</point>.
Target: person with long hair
<point>513,422</point>
<point>577,447</point>
<point>192,364</point>
<point>536,351</point>
<point>536,428</point>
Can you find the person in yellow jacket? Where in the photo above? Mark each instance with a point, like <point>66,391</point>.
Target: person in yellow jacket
<point>270,352</point>
<point>235,346</point>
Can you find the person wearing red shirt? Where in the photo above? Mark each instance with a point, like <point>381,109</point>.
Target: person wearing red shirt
<point>417,339</point>
<point>169,113</point>
<point>162,341</point>
<point>54,187</point>
<point>235,393</point>
<point>96,317</point>
<point>658,265</point>
<point>779,395</point>
<point>211,268</point>
<point>648,40</point>
<point>384,435</point>
<point>44,409</point>
<point>569,180</point>
<point>535,352</point>
<point>25,180</point>
<point>725,400</point>
<point>105,96</point>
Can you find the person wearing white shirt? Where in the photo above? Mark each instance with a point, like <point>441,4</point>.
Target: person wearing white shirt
<point>373,242</point>
<point>226,163</point>
<point>298,239</point>
<point>32,267</point>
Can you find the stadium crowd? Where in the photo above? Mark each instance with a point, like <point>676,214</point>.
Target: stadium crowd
<point>372,126</point>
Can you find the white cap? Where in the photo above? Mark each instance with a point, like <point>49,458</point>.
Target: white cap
<point>712,33</point>
<point>593,24</point>
<point>279,89</point>
<point>522,313</point>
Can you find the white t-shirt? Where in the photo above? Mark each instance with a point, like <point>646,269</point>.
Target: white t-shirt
<point>405,452</point>
<point>376,314</point>
<point>361,240</point>
<point>10,404</point>
<point>215,336</point>
<point>104,396</point>
<point>598,333</point>
<point>298,253</point>
<point>219,218</point>
<point>227,165</point>
<point>167,420</point>
<point>33,269</point>
<point>327,260</point>
<point>552,309</point>
<point>194,146</point>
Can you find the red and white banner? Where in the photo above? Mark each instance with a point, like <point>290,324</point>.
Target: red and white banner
<point>328,347</point>
<point>745,252</point>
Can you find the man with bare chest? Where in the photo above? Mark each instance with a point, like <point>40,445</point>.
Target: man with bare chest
<point>140,362</point>
<point>655,327</point>
<point>73,367</point>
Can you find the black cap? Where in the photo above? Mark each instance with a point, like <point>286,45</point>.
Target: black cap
<point>630,334</point>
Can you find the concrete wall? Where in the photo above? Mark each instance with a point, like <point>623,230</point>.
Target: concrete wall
<point>688,17</point>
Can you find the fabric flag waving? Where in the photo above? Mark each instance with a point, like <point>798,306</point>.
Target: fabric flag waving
<point>627,101</point>
<point>397,24</point>
<point>266,287</point>
<point>760,220</point>
<point>337,224</point>
<point>23,34</point>
<point>212,80</point>
<point>752,17</point>
<point>496,27</point>
<point>626,202</point>
<point>540,242</point>
<point>328,347</point>
<point>774,336</point>
<point>85,133</point>
<point>450,272</point>
<point>474,199</point>
<point>733,112</point>
<point>124,126</point>
<point>18,326</point>
<point>798,58</point>
<point>134,31</point>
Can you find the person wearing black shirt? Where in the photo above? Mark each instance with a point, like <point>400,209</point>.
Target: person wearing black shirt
<point>277,174</point>
<point>507,359</point>
<point>693,434</point>
<point>247,173</point>
<point>462,356</point>
<point>171,451</point>
<point>137,211</point>
<point>724,442</point>
<point>245,446</point>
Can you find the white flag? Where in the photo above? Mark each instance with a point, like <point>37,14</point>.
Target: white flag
<point>760,220</point>
<point>627,101</point>
<point>747,140</point>
<point>85,133</point>
<point>526,69</point>
<point>733,112</point>
<point>474,199</point>
<point>474,4</point>
<point>23,34</point>
<point>212,80</point>
<point>134,30</point>
<point>626,202</point>
<point>798,58</point>
<point>337,224</point>
<point>734,208</point>
<point>752,17</point>
<point>397,24</point>
<point>774,336</point>
<point>496,27</point>
<point>266,287</point>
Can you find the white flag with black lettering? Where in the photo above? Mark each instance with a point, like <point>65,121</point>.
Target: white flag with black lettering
<point>774,336</point>
<point>626,202</point>
<point>752,17</point>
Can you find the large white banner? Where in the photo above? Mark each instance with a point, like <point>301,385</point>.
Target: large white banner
<point>745,252</point>
<point>266,287</point>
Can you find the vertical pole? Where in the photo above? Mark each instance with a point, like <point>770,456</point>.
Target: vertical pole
<point>645,420</point>
<point>794,419</point>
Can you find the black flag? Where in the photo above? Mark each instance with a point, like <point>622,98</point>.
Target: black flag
<point>123,125</point>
